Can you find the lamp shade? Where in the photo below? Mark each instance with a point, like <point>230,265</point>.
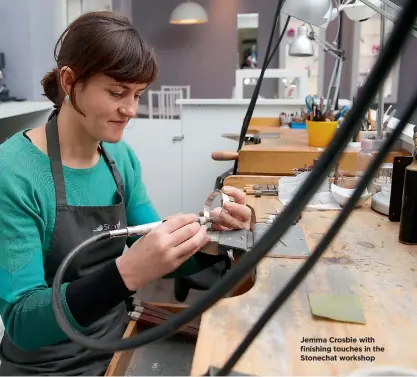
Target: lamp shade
<point>358,11</point>
<point>188,13</point>
<point>302,45</point>
<point>314,12</point>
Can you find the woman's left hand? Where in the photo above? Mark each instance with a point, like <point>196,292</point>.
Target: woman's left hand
<point>233,215</point>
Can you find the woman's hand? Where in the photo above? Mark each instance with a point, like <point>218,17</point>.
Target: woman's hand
<point>162,250</point>
<point>234,215</point>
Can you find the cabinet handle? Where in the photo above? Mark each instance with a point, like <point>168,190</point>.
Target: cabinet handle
<point>178,138</point>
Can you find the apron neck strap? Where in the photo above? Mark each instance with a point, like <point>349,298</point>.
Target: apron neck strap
<point>54,152</point>
<point>116,174</point>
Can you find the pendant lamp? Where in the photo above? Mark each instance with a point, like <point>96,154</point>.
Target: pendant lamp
<point>188,13</point>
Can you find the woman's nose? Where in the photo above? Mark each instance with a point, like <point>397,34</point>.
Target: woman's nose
<point>129,111</point>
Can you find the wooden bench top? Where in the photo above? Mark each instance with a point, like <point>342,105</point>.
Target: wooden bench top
<point>365,258</point>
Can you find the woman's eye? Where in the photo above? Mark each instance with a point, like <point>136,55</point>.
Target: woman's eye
<point>138,96</point>
<point>115,94</point>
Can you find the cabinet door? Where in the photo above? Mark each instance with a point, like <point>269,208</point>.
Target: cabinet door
<point>158,145</point>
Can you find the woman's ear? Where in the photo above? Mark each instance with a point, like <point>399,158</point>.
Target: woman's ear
<point>66,78</point>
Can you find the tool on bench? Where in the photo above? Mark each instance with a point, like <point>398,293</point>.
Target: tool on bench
<point>140,230</point>
<point>261,190</point>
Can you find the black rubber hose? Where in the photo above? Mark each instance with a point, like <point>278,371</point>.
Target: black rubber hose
<point>277,229</point>
<point>255,95</point>
<point>296,280</point>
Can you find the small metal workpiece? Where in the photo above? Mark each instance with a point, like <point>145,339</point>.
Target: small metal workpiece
<point>207,206</point>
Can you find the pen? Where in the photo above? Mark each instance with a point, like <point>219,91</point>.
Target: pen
<point>385,125</point>
<point>341,112</point>
<point>321,104</point>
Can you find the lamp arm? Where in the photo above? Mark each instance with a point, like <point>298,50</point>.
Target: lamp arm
<point>326,46</point>
<point>392,5</point>
<point>386,14</point>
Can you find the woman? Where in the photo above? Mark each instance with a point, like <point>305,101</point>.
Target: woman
<point>64,181</point>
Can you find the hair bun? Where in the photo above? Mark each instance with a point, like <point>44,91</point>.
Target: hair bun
<point>50,86</point>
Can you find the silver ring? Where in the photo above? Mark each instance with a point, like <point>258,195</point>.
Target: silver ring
<point>225,199</point>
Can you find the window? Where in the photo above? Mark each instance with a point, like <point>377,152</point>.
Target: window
<point>314,65</point>
<point>367,41</point>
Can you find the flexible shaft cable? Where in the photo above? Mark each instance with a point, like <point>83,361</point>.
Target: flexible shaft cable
<point>267,60</point>
<point>296,280</point>
<point>277,229</point>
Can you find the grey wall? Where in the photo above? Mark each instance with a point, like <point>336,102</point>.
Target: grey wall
<point>27,38</point>
<point>203,56</point>
<point>123,7</point>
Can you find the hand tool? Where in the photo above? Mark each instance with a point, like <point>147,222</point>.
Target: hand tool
<point>140,230</point>
<point>259,190</point>
<point>342,112</point>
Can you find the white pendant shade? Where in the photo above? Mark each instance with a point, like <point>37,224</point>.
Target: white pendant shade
<point>188,13</point>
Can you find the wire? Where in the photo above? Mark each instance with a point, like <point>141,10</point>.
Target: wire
<point>284,30</point>
<point>274,233</point>
<point>339,15</point>
<point>295,281</point>
<point>255,95</point>
<point>256,91</point>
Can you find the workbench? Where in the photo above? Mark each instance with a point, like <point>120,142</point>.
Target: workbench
<point>365,259</point>
<point>283,149</point>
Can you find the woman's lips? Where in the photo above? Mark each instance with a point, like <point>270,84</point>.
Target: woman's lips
<point>119,122</point>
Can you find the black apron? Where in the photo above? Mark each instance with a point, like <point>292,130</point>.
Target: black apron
<point>73,225</point>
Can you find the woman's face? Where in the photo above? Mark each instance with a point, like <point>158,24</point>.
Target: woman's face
<point>108,106</point>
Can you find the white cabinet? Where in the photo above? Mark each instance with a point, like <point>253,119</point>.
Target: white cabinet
<point>158,145</point>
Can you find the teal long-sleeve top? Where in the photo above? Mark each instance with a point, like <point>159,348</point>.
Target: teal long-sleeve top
<point>27,220</point>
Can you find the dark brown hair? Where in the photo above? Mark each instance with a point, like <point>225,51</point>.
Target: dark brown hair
<point>100,43</point>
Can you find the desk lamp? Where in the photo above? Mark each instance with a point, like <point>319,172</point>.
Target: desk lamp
<point>362,10</point>
<point>302,46</point>
<point>315,12</point>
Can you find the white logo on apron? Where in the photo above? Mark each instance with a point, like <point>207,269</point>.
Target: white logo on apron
<point>103,227</point>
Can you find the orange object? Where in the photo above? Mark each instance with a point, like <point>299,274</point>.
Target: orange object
<point>224,156</point>
<point>320,133</point>
<point>370,120</point>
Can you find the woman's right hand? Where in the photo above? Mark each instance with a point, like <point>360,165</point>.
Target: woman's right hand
<point>162,250</point>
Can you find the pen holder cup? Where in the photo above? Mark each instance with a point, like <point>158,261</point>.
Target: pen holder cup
<point>320,133</point>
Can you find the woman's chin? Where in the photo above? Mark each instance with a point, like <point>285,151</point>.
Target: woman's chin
<point>112,137</point>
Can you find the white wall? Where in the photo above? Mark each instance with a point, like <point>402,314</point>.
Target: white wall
<point>27,38</point>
